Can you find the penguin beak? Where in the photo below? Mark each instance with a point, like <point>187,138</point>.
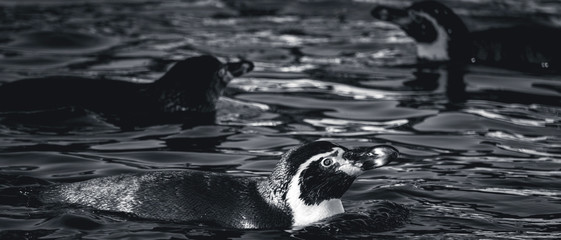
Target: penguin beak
<point>368,158</point>
<point>396,16</point>
<point>240,68</point>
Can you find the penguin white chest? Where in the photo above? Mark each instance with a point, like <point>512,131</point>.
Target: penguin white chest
<point>304,215</point>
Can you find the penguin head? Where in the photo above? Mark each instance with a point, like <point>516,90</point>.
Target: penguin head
<point>315,176</point>
<point>440,34</point>
<point>196,83</point>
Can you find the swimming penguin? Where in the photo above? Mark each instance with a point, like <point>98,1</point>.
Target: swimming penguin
<point>188,90</point>
<point>441,36</point>
<point>306,186</point>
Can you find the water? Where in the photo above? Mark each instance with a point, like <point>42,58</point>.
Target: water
<point>479,164</point>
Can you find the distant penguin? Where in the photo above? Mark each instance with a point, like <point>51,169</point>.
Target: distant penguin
<point>189,90</point>
<point>306,186</point>
<point>441,36</point>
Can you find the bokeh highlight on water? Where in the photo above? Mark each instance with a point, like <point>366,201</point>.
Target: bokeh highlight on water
<point>485,166</point>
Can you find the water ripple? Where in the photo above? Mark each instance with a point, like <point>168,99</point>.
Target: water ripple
<point>510,119</point>
<point>309,85</point>
<point>324,70</point>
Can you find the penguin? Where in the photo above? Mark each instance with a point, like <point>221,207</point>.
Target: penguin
<point>441,36</point>
<point>189,90</point>
<point>305,186</point>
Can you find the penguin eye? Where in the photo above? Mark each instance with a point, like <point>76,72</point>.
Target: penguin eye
<point>326,162</point>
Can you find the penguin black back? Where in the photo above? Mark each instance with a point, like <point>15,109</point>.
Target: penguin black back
<point>175,196</point>
<point>189,89</point>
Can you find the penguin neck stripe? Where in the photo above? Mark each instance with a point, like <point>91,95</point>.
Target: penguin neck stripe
<point>302,213</point>
<point>438,49</point>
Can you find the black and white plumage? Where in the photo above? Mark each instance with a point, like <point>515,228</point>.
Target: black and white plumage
<point>188,90</point>
<point>441,36</point>
<point>306,186</point>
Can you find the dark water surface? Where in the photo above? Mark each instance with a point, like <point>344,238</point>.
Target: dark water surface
<point>480,164</point>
